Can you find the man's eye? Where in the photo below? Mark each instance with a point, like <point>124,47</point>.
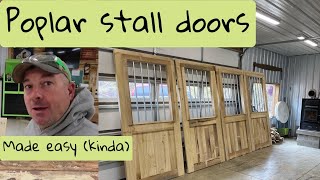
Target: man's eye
<point>47,83</point>
<point>27,86</point>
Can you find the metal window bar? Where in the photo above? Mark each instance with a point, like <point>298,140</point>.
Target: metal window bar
<point>161,86</point>
<point>201,94</point>
<point>231,94</point>
<point>224,95</point>
<point>208,95</point>
<point>156,93</point>
<point>228,93</point>
<point>257,94</point>
<point>253,94</point>
<point>144,99</point>
<point>195,93</point>
<point>210,98</point>
<point>257,101</point>
<point>239,94</point>
<point>143,107</point>
<point>198,95</point>
<point>135,87</point>
<point>197,81</point>
<point>151,104</point>
<point>191,99</point>
<point>234,101</point>
<point>261,95</point>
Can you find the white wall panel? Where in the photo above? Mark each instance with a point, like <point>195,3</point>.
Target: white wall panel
<point>221,56</point>
<point>189,53</point>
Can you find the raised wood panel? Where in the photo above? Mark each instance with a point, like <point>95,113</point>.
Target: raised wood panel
<point>261,132</point>
<point>206,144</point>
<point>155,153</point>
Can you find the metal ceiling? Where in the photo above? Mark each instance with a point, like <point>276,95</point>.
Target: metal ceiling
<point>296,17</point>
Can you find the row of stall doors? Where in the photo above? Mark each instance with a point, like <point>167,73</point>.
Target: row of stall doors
<point>223,112</point>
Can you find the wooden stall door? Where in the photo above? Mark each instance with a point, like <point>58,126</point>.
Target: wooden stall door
<point>258,110</point>
<point>152,122</point>
<point>235,120</point>
<point>199,109</point>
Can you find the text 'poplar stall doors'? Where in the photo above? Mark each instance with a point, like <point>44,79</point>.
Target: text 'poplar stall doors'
<point>235,121</point>
<point>150,114</point>
<point>201,121</point>
<point>258,112</point>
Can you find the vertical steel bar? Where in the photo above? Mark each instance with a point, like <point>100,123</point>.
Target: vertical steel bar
<point>194,91</point>
<point>135,88</point>
<point>257,93</point>
<point>156,92</point>
<point>229,93</point>
<point>201,94</point>
<point>234,93</point>
<point>224,93</point>
<point>208,94</point>
<point>188,77</point>
<point>238,94</point>
<point>253,95</point>
<point>198,91</point>
<point>149,83</point>
<point>261,95</point>
<point>144,98</point>
<point>164,109</point>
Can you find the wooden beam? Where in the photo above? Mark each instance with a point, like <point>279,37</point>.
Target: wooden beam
<point>266,67</point>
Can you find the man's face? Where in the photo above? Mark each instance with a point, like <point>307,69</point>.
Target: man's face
<point>47,96</point>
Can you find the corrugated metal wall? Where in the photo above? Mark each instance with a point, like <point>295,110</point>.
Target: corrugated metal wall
<point>262,56</point>
<point>304,74</point>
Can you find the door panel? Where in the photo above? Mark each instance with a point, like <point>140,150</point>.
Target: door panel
<point>201,120</point>
<point>235,120</point>
<point>149,113</point>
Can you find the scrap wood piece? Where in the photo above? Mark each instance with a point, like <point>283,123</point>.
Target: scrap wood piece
<point>89,166</point>
<point>275,136</point>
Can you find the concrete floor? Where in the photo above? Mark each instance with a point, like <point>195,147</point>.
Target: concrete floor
<point>280,161</point>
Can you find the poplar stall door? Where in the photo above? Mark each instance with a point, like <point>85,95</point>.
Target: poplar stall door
<point>201,119</point>
<point>149,113</point>
<point>259,116</point>
<point>235,120</point>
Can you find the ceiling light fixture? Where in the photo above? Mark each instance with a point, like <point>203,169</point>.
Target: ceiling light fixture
<point>301,37</point>
<point>311,43</point>
<point>266,18</point>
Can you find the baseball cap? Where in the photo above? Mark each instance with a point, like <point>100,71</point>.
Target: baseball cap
<point>45,61</point>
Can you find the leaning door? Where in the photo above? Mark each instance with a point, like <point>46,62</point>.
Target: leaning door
<point>235,120</point>
<point>201,120</point>
<point>258,112</point>
<point>149,113</point>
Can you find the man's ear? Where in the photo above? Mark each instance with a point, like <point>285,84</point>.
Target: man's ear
<point>71,90</point>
